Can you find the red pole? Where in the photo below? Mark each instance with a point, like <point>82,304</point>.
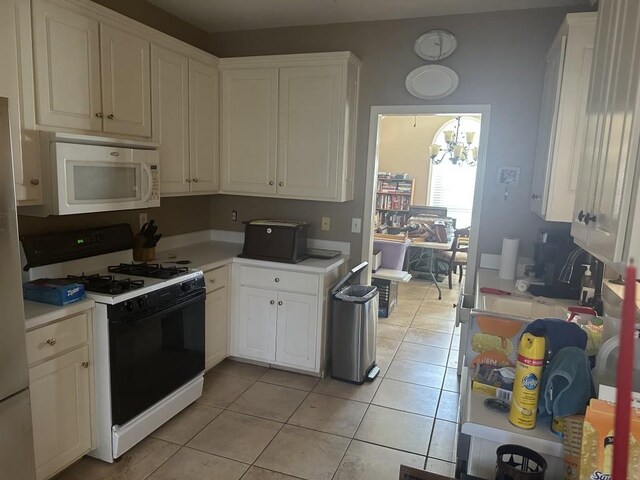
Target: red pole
<point>624,377</point>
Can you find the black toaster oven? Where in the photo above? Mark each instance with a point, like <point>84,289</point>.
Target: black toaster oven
<point>275,240</point>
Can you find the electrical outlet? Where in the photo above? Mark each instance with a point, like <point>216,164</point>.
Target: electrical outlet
<point>356,225</point>
<point>234,215</point>
<point>142,219</point>
<point>326,224</point>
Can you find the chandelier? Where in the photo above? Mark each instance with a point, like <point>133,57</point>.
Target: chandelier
<point>458,148</point>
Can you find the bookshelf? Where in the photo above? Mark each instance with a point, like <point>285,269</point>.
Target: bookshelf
<point>393,198</point>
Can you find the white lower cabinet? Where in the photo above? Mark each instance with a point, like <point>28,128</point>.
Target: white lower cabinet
<point>278,316</point>
<point>216,311</point>
<point>257,324</point>
<point>296,330</point>
<point>60,383</point>
<point>60,411</point>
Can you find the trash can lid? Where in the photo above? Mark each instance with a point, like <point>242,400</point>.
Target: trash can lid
<point>347,278</point>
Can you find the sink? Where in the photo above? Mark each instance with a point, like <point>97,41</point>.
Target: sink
<point>535,307</point>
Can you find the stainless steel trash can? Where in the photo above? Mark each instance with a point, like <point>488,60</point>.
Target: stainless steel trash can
<point>353,329</point>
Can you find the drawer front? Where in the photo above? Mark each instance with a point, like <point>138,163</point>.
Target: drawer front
<point>279,280</point>
<point>218,278</point>
<point>47,341</point>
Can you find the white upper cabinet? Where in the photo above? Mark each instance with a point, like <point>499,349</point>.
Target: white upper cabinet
<point>309,131</point>
<point>288,125</point>
<point>90,75</point>
<point>562,119</point>
<point>170,89</point>
<point>203,127</point>
<point>16,84</point>
<point>606,215</point>
<point>67,67</point>
<point>249,130</point>
<point>126,92</point>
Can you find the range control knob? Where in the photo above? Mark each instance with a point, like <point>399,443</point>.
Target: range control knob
<point>142,301</point>
<point>129,306</point>
<point>185,287</point>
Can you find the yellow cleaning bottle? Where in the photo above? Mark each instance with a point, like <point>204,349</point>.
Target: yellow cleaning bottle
<point>526,385</point>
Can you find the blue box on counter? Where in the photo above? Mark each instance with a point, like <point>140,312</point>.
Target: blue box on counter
<point>53,291</point>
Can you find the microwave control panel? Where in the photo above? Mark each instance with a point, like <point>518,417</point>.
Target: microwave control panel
<point>155,183</point>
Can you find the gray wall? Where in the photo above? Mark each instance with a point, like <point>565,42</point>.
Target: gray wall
<point>500,61</point>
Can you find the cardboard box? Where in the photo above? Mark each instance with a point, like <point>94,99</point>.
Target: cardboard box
<point>53,291</point>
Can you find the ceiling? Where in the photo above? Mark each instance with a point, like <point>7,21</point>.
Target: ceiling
<point>229,15</point>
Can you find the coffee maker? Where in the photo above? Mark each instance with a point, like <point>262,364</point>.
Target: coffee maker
<point>558,263</point>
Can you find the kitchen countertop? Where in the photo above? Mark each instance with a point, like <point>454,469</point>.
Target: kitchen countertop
<point>213,254</point>
<point>612,295</point>
<point>38,314</point>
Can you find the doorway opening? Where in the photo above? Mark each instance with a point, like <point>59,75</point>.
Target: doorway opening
<point>427,160</point>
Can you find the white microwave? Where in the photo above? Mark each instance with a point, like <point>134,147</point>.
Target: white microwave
<point>98,178</point>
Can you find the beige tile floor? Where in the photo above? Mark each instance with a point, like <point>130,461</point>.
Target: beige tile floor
<point>254,423</point>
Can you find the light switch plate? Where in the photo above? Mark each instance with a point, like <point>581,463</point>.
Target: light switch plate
<point>326,224</point>
<point>356,225</point>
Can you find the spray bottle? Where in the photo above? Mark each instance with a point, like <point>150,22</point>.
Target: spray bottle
<point>526,386</point>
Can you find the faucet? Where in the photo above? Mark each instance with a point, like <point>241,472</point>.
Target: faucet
<point>567,270</point>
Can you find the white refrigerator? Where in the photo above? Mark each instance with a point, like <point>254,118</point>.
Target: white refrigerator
<point>16,438</point>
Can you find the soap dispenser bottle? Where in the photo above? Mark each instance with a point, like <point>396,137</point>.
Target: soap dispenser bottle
<point>587,286</point>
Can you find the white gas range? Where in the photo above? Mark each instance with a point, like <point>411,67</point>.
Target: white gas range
<point>148,330</point>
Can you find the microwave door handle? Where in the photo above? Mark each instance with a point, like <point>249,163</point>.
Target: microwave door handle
<point>147,172</point>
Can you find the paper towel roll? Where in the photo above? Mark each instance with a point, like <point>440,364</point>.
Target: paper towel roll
<point>509,258</point>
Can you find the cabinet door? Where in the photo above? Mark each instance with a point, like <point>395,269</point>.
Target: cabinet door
<point>296,337</point>
<point>249,130</point>
<point>548,125</point>
<point>60,408</point>
<point>216,326</point>
<point>15,54</point>
<point>126,83</point>
<point>596,122</point>
<point>170,90</point>
<point>203,126</point>
<point>309,126</point>
<point>617,162</point>
<point>67,68</point>
<point>257,324</point>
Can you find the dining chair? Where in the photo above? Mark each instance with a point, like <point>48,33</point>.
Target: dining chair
<point>457,256</point>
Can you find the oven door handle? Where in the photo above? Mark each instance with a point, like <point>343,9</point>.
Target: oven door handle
<point>138,317</point>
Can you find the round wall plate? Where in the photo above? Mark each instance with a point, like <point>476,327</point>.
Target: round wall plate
<point>432,82</point>
<point>436,45</point>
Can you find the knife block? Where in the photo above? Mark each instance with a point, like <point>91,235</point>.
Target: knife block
<point>140,253</point>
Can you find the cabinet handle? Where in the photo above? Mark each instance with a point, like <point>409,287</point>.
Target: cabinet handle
<point>535,196</point>
<point>455,305</point>
<point>99,115</point>
<point>110,116</point>
<point>589,218</point>
<point>188,180</point>
<point>35,181</point>
<point>280,302</point>
<point>277,279</point>
<point>272,302</point>
<point>51,342</point>
<point>281,184</point>
<point>195,180</point>
<point>581,215</point>
<point>213,281</point>
<point>271,182</point>
<point>84,364</point>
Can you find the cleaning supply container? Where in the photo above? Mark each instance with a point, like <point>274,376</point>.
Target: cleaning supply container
<point>353,329</point>
<point>607,363</point>
<point>526,386</point>
<point>516,462</point>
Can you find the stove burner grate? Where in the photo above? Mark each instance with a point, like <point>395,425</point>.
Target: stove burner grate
<point>151,270</point>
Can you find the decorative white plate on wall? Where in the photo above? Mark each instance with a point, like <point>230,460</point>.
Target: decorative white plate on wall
<point>436,45</point>
<point>432,82</point>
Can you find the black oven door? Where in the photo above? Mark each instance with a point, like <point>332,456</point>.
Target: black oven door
<point>154,353</point>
